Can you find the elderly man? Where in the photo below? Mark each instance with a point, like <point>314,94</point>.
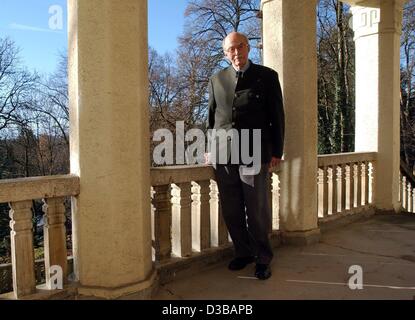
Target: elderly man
<point>246,97</point>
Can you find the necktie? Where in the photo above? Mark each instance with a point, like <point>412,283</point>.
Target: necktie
<point>239,74</point>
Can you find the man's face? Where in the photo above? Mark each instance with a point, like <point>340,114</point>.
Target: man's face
<point>236,50</point>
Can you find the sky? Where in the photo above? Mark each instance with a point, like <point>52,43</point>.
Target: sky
<point>34,25</point>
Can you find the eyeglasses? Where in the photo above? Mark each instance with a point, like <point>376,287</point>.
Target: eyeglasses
<point>239,47</point>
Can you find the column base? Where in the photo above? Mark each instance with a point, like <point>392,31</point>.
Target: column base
<point>137,291</point>
<point>398,210</point>
<point>301,238</point>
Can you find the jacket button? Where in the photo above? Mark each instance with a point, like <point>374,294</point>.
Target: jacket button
<point>233,123</point>
<point>233,108</point>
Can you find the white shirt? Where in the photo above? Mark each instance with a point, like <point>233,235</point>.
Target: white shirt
<point>246,66</point>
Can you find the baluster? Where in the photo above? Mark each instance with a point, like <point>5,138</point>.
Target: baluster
<point>400,188</point>
<point>404,195</point>
<point>162,222</point>
<point>153,214</point>
<point>366,177</point>
<point>54,233</point>
<point>270,199</point>
<point>413,200</point>
<point>353,186</point>
<point>219,232</point>
<point>363,172</point>
<point>343,178</point>
<point>334,191</point>
<point>325,178</point>
<point>349,188</point>
<point>359,184</point>
<point>320,191</point>
<point>275,202</point>
<point>409,209</point>
<point>372,178</point>
<point>201,216</point>
<point>181,220</point>
<point>320,183</point>
<point>21,236</point>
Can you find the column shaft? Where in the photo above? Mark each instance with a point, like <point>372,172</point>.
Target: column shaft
<point>108,86</point>
<point>377,27</point>
<point>289,42</point>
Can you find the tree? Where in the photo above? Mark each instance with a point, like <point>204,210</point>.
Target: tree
<point>51,98</point>
<point>164,90</point>
<point>209,21</point>
<point>408,85</point>
<point>335,47</point>
<point>15,85</point>
<point>40,127</point>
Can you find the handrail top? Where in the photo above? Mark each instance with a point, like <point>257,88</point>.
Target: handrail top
<point>344,158</point>
<point>39,178</point>
<point>24,189</point>
<point>161,176</point>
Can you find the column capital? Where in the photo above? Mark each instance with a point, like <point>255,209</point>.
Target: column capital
<point>386,17</point>
<point>264,2</point>
<point>372,3</point>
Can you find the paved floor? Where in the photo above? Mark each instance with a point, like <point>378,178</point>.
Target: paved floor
<point>383,246</point>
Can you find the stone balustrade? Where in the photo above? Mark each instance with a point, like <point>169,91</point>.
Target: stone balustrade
<point>345,183</point>
<point>186,213</point>
<point>407,189</point>
<point>19,194</point>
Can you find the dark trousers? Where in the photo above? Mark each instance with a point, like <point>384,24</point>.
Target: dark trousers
<point>246,210</point>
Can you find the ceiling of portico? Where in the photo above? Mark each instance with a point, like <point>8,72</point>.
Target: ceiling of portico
<point>363,3</point>
<point>367,3</point>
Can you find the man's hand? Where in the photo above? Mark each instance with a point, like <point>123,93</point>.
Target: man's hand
<point>275,162</point>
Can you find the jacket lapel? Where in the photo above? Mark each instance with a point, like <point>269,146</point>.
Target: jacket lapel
<point>228,83</point>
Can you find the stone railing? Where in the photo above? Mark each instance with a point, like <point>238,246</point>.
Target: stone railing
<point>19,194</point>
<point>345,184</point>
<point>407,189</point>
<point>186,215</point>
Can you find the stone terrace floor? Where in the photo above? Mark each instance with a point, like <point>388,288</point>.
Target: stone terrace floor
<point>383,245</point>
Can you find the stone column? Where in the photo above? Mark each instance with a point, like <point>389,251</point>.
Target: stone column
<point>377,26</point>
<point>289,44</point>
<point>108,86</point>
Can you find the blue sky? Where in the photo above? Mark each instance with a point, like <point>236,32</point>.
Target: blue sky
<point>27,22</point>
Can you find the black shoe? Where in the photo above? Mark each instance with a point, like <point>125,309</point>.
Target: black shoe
<point>262,271</point>
<point>240,263</point>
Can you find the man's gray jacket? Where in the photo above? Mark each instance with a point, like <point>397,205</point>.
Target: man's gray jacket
<point>251,102</point>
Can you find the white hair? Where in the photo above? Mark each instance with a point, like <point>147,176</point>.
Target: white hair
<point>243,35</point>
